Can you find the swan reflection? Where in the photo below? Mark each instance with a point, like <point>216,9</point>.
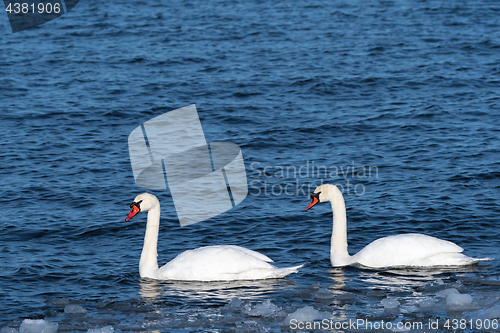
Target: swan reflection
<point>219,292</point>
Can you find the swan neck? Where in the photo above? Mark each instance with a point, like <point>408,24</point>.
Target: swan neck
<point>148,265</point>
<point>338,251</point>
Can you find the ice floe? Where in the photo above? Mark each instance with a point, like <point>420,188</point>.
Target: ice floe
<point>390,303</point>
<point>458,302</point>
<point>38,326</point>
<point>305,314</point>
<point>74,309</point>
<point>105,329</point>
<point>263,309</point>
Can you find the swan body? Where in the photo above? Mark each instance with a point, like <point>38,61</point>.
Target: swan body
<point>209,263</point>
<point>411,250</point>
<point>415,250</point>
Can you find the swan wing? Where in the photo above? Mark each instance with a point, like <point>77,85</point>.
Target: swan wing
<point>404,250</point>
<point>252,253</point>
<point>219,262</point>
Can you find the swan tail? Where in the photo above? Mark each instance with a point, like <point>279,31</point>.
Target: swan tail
<point>475,260</point>
<point>472,261</point>
<point>449,259</point>
<point>465,260</point>
<point>282,272</point>
<point>266,273</point>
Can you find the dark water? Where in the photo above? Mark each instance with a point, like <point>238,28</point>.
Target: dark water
<point>407,91</point>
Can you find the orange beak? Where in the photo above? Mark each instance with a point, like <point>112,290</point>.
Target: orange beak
<point>133,212</point>
<point>314,200</point>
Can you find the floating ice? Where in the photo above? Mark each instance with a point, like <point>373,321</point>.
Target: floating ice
<point>59,301</point>
<point>104,303</point>
<point>426,304</point>
<point>233,305</point>
<point>105,329</point>
<point>390,303</point>
<point>458,301</point>
<point>251,326</point>
<point>446,292</point>
<point>8,330</point>
<point>38,326</point>
<point>346,298</point>
<point>123,306</point>
<point>74,309</point>
<point>264,309</point>
<point>376,293</point>
<point>323,293</point>
<point>460,287</point>
<point>307,313</point>
<point>491,281</point>
<point>492,313</point>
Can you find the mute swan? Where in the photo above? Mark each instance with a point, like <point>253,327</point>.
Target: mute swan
<point>209,263</point>
<point>392,251</point>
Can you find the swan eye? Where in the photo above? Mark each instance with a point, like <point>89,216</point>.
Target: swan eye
<point>137,204</point>
<point>314,200</point>
<point>315,195</point>
<point>134,210</point>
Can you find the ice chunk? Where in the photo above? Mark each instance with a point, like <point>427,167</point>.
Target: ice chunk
<point>491,281</point>
<point>123,306</point>
<point>458,301</point>
<point>446,292</point>
<point>324,294</point>
<point>105,329</point>
<point>346,298</point>
<point>492,313</point>
<point>38,326</point>
<point>307,313</point>
<point>439,282</point>
<point>376,293</point>
<point>104,304</point>
<point>264,309</point>
<point>390,303</point>
<point>251,326</point>
<point>460,287</point>
<point>426,304</point>
<point>59,301</point>
<point>74,309</point>
<point>8,330</point>
<point>233,305</point>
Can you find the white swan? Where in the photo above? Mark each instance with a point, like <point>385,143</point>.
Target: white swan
<point>210,263</point>
<point>392,251</point>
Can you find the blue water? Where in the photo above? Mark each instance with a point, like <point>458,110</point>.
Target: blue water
<point>406,90</point>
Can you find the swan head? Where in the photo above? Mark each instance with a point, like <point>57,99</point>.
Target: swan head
<point>142,203</point>
<point>322,193</point>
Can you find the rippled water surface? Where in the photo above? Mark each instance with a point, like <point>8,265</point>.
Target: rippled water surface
<point>406,93</point>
